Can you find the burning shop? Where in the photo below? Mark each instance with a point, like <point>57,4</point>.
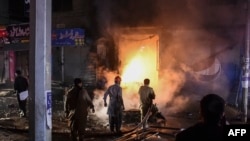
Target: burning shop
<point>182,64</point>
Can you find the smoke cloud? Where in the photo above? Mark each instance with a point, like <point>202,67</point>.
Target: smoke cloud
<point>196,38</point>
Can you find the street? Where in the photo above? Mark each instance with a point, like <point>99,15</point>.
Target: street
<point>15,128</point>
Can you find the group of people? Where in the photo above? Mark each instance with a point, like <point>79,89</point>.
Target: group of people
<point>78,101</point>
<point>210,127</point>
<point>116,104</point>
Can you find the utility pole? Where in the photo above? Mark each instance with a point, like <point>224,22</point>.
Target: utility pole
<point>40,102</point>
<point>246,65</point>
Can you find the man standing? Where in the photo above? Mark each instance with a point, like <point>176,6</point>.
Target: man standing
<point>76,108</point>
<point>21,85</point>
<point>116,105</point>
<point>146,95</point>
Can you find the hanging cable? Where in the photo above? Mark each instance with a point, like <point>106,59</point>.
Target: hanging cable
<point>130,39</point>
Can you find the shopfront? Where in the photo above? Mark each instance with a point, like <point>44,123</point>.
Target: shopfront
<point>67,52</point>
<point>14,51</point>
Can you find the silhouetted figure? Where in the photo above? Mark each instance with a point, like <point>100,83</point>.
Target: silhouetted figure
<point>116,105</point>
<point>146,94</point>
<point>76,108</point>
<point>101,83</point>
<point>21,85</point>
<point>210,127</point>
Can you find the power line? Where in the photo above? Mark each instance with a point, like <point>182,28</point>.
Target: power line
<point>142,39</point>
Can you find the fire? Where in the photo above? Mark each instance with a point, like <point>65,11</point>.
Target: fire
<point>134,70</point>
<point>140,62</point>
<point>142,65</point>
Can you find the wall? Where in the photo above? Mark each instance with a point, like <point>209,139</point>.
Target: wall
<point>80,16</point>
<point>75,58</point>
<point>3,12</point>
<point>75,62</point>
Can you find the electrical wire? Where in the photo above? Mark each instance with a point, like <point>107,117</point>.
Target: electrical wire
<point>130,39</point>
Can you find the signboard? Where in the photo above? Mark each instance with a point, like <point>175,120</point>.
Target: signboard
<point>68,37</point>
<point>48,95</point>
<point>18,33</point>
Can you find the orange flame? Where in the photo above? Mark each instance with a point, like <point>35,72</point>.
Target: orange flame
<point>140,62</point>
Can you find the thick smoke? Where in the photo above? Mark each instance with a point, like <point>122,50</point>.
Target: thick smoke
<point>194,35</point>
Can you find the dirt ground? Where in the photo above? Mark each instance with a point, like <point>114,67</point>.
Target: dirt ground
<point>15,128</point>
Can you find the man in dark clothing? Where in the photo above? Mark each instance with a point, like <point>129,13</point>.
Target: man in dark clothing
<point>21,85</point>
<point>146,94</point>
<point>76,107</point>
<point>116,105</point>
<point>211,127</point>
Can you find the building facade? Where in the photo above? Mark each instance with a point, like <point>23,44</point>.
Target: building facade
<point>201,43</point>
<point>68,60</point>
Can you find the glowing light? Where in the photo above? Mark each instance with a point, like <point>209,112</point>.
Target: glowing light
<point>142,65</point>
<point>133,71</point>
<point>138,55</point>
<point>3,33</point>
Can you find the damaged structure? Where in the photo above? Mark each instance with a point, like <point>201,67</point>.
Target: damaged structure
<point>184,54</point>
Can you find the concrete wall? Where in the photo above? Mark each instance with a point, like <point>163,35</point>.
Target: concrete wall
<point>4,12</point>
<point>78,17</point>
